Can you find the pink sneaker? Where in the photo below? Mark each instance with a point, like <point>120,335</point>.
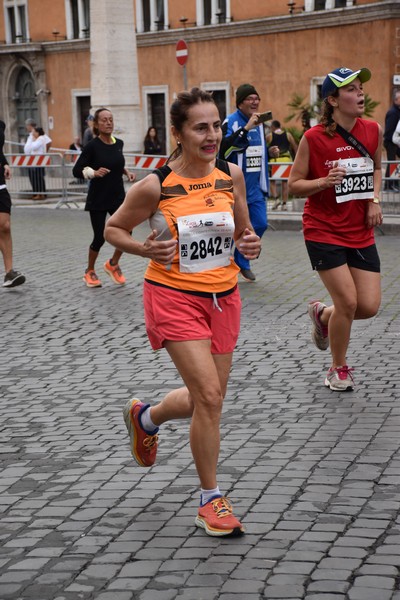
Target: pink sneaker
<point>319,332</point>
<point>340,379</point>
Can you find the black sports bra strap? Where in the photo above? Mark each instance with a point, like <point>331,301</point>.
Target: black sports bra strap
<point>162,172</point>
<point>222,165</point>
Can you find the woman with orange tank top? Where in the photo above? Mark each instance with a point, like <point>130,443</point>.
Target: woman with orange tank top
<point>197,210</point>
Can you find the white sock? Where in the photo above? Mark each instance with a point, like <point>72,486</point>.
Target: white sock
<point>206,495</point>
<point>146,422</point>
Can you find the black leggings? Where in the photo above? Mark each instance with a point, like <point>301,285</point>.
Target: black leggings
<point>98,220</point>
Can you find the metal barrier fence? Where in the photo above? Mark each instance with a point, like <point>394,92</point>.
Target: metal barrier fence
<point>60,184</point>
<point>33,175</point>
<point>390,185</point>
<point>55,168</point>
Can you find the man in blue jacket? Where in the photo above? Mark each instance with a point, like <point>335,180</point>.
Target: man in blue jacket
<point>244,144</point>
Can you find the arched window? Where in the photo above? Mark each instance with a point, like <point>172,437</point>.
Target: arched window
<point>26,101</point>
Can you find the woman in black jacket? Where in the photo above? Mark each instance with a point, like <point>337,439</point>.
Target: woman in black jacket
<point>152,144</point>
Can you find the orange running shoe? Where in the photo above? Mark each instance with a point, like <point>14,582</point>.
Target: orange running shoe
<point>216,517</point>
<point>115,273</point>
<point>143,444</point>
<point>91,279</point>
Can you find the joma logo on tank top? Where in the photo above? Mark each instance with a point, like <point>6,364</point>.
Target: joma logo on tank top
<point>199,186</point>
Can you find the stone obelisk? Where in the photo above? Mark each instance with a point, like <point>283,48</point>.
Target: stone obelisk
<point>114,68</point>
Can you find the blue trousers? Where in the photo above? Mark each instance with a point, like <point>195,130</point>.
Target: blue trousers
<point>259,221</point>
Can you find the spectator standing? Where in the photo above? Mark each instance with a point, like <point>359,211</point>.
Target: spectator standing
<point>244,144</point>
<point>392,150</point>
<point>31,125</point>
<point>191,298</point>
<point>36,146</point>
<point>338,167</point>
<point>76,145</point>
<point>287,151</point>
<point>88,133</point>
<point>102,162</point>
<point>12,278</point>
<point>74,151</point>
<point>152,144</point>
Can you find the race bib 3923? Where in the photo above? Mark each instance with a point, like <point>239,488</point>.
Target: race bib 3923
<point>358,183</point>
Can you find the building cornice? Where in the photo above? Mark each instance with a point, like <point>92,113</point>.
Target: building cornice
<point>338,17</point>
<point>56,46</point>
<point>378,11</point>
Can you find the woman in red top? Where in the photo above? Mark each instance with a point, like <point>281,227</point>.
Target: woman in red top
<point>342,185</point>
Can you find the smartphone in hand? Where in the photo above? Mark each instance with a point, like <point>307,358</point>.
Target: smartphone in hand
<point>265,116</point>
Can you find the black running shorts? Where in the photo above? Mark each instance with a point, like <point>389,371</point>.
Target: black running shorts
<point>5,201</point>
<point>329,256</point>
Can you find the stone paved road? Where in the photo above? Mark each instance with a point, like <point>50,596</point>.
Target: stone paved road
<point>315,475</point>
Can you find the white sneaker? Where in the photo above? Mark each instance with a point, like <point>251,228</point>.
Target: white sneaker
<point>340,379</point>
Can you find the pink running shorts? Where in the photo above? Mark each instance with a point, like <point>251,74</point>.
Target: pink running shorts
<point>177,316</point>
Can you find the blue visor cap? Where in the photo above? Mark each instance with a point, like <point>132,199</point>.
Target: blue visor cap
<point>341,77</point>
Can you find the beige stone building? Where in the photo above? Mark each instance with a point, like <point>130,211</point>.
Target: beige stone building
<point>59,59</point>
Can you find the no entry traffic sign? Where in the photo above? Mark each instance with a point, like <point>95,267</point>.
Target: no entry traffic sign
<point>181,52</point>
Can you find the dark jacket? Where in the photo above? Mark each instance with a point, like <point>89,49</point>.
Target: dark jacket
<point>105,193</point>
<point>151,147</point>
<point>391,120</point>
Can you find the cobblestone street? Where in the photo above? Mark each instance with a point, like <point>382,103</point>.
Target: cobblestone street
<point>314,475</point>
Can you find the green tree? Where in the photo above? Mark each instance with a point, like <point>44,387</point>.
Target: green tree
<point>300,109</point>
<point>369,105</point>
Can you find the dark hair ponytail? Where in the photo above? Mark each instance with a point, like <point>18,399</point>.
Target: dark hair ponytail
<point>327,116</point>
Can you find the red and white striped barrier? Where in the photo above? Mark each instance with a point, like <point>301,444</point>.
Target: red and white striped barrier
<point>30,160</point>
<point>280,170</point>
<point>394,170</point>
<point>142,161</point>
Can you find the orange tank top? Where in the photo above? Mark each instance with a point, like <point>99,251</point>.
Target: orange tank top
<point>198,213</point>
